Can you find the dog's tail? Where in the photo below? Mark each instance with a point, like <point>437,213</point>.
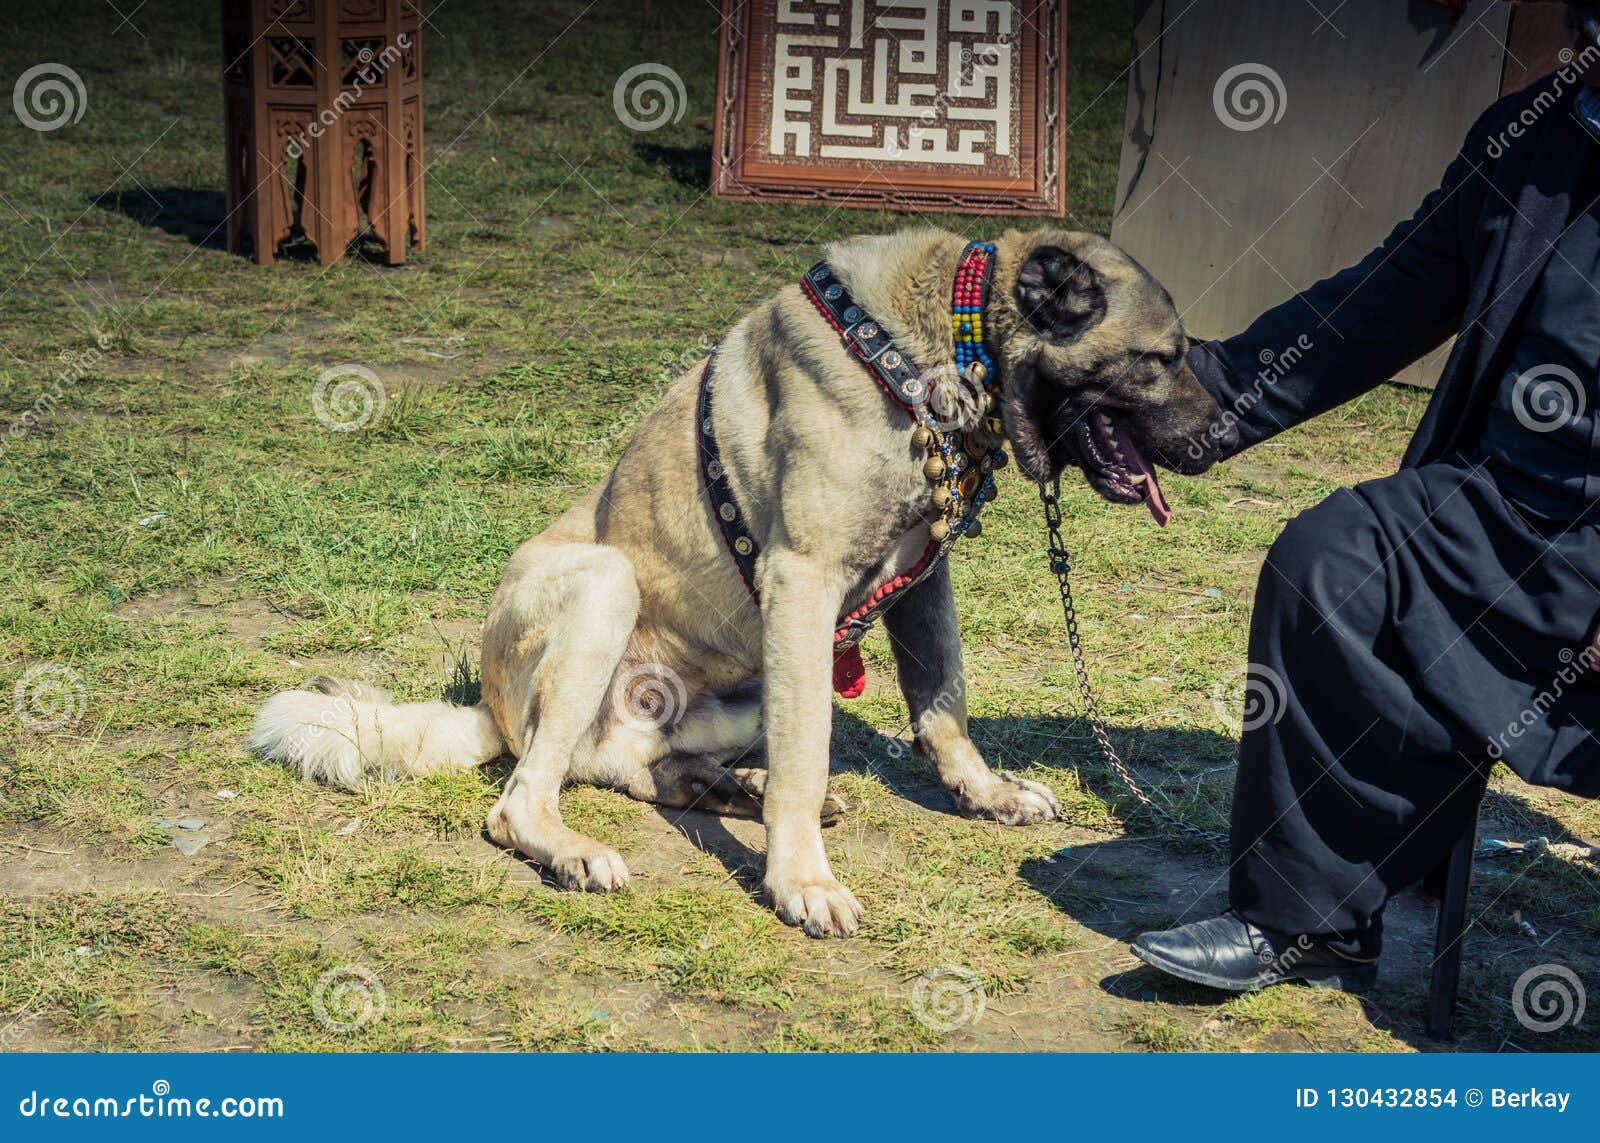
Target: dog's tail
<point>343,732</point>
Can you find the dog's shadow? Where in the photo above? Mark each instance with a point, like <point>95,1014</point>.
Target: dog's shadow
<point>1118,887</point>
<point>1152,877</point>
<point>711,835</point>
<point>706,831</point>
<point>1196,766</point>
<point>1191,768</point>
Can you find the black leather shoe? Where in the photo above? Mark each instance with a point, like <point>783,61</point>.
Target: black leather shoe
<point>1230,953</point>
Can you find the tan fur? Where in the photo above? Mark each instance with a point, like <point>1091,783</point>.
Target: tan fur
<point>634,579</point>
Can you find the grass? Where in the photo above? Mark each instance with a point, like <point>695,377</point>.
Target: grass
<point>180,533</point>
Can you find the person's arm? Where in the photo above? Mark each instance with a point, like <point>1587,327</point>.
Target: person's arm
<point>1351,332</point>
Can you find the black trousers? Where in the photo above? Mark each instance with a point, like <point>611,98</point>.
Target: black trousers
<point>1407,634</point>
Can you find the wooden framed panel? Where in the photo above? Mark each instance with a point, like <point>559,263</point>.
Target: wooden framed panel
<point>955,105</point>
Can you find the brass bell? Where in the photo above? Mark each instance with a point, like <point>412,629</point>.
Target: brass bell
<point>994,426</point>
<point>941,498</point>
<point>939,530</point>
<point>974,529</point>
<point>922,436</point>
<point>989,403</point>
<point>978,372</point>
<point>934,468</point>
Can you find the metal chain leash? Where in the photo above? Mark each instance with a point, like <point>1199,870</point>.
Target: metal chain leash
<point>1061,567</point>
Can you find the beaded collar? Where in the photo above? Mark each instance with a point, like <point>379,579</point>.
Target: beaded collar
<point>971,457</point>
<point>959,463</point>
<point>968,300</point>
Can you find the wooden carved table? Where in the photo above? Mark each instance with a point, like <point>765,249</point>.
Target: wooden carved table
<point>324,127</point>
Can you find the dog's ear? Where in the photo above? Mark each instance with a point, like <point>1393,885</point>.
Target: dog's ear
<point>1060,294</point>
<point>1021,406</point>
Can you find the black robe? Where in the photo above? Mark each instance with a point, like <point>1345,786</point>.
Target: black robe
<point>1411,631</point>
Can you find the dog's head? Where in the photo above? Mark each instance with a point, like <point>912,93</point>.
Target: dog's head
<point>1094,374</point>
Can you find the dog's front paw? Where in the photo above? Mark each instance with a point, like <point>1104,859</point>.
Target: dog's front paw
<point>1010,800</point>
<point>597,870</point>
<point>820,906</point>
<point>572,859</point>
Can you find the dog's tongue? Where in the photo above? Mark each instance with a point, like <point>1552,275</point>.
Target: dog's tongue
<point>1139,466</point>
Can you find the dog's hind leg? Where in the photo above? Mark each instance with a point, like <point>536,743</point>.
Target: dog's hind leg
<point>699,770</point>
<point>726,724</point>
<point>696,782</point>
<point>926,640</point>
<point>706,782</point>
<point>556,634</point>
<point>691,769</point>
<point>752,785</point>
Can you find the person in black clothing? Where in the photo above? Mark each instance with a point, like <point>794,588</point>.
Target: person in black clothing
<point>1413,630</point>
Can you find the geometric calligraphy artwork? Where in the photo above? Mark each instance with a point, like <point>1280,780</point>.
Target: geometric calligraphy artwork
<point>932,87</point>
<point>911,104</point>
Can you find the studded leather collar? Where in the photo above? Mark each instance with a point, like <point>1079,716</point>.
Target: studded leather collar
<point>865,337</point>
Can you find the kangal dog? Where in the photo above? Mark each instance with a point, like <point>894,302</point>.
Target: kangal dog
<point>835,489</point>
